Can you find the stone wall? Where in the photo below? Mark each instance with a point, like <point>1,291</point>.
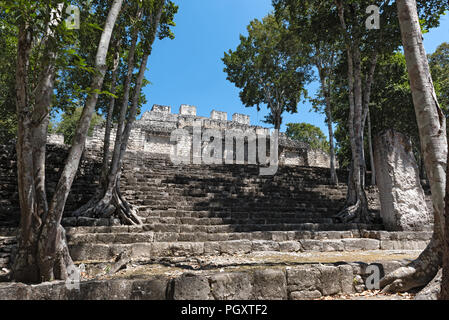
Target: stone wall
<point>83,188</point>
<point>303,282</point>
<point>151,134</point>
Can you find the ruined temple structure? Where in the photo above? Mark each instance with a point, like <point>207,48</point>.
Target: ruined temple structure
<point>210,217</point>
<point>151,135</point>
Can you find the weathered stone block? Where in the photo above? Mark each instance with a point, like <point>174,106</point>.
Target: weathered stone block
<point>311,245</point>
<point>191,287</point>
<point>302,278</point>
<point>332,245</point>
<point>219,115</point>
<point>15,291</point>
<point>89,251</point>
<point>160,249</point>
<point>269,284</point>
<point>231,286</point>
<point>263,245</point>
<point>328,281</point>
<point>305,295</point>
<point>211,248</point>
<point>346,279</point>
<point>187,110</point>
<point>402,199</point>
<point>241,118</point>
<point>289,246</point>
<point>142,251</point>
<point>155,289</point>
<point>159,108</point>
<point>361,244</point>
<point>234,247</point>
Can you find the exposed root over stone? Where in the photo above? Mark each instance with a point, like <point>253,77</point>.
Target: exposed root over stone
<point>357,213</point>
<point>110,206</point>
<point>419,273</point>
<point>432,290</point>
<point>348,214</point>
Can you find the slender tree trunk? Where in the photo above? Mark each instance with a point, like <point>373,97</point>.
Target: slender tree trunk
<point>111,200</point>
<point>108,127</point>
<point>334,177</point>
<point>25,264</point>
<point>356,207</point>
<point>126,211</point>
<point>101,205</point>
<point>53,254</point>
<point>444,295</point>
<point>328,109</point>
<point>432,133</point>
<point>371,152</point>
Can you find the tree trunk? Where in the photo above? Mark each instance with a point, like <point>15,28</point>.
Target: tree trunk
<point>356,207</point>
<point>111,200</point>
<point>277,119</point>
<point>334,177</point>
<point>108,127</point>
<point>25,263</point>
<point>101,205</point>
<point>53,255</point>
<point>371,152</point>
<point>432,133</point>
<point>444,295</point>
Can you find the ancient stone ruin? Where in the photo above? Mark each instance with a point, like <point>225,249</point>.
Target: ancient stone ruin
<point>211,231</point>
<point>151,135</point>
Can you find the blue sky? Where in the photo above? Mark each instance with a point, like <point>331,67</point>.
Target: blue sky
<point>189,70</point>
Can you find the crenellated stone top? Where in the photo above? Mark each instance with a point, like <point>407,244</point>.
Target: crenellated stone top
<point>163,113</point>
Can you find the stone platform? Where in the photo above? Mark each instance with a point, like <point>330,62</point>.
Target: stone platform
<point>257,276</point>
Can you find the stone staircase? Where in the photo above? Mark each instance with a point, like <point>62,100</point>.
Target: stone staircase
<point>211,210</point>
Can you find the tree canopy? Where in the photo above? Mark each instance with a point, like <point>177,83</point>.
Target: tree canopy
<point>308,133</point>
<point>264,72</point>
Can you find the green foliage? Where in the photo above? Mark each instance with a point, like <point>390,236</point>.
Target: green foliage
<point>69,121</point>
<point>264,72</point>
<point>309,134</point>
<point>73,83</point>
<point>8,43</point>
<point>391,105</point>
<point>38,15</point>
<point>439,67</point>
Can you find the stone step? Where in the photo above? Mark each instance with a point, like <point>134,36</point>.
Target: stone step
<point>117,237</point>
<point>235,221</point>
<point>192,217</point>
<point>218,206</point>
<point>105,243</point>
<point>151,250</point>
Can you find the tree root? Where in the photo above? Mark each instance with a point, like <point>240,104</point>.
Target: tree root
<point>109,206</point>
<point>416,274</point>
<point>432,290</point>
<point>348,214</point>
<point>126,212</point>
<point>355,213</point>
